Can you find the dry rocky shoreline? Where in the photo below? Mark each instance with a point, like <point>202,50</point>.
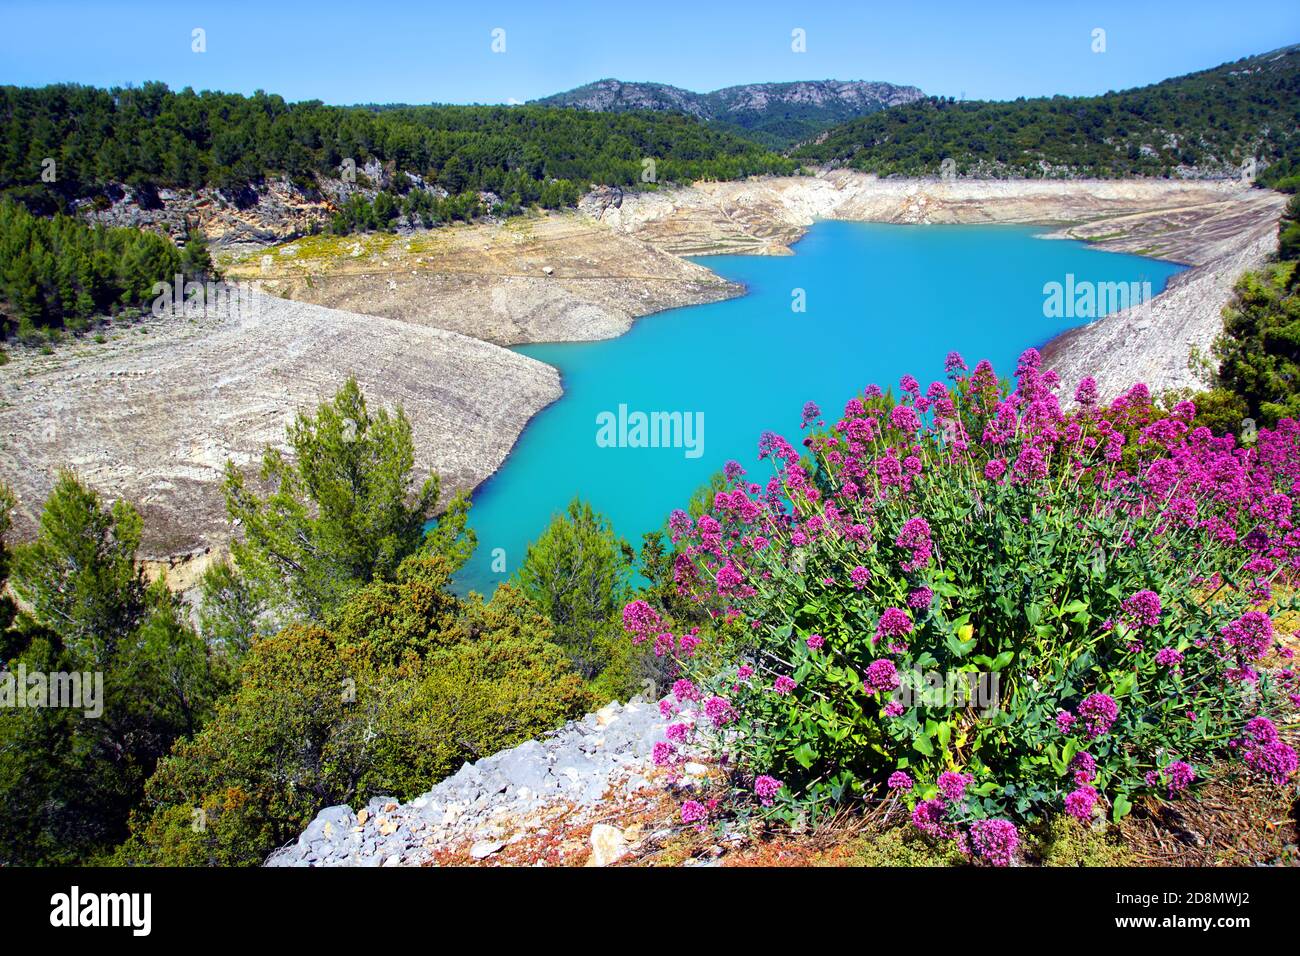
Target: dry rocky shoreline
<point>153,413</point>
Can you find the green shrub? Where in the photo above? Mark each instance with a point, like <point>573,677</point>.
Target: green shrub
<point>578,574</point>
<point>68,776</point>
<point>403,685</point>
<point>1095,575</point>
<point>1219,410</point>
<point>1288,228</point>
<point>342,511</point>
<point>1259,351</point>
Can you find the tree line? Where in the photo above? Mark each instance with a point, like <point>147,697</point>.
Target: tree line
<point>60,272</point>
<point>64,142</point>
<point>1216,120</point>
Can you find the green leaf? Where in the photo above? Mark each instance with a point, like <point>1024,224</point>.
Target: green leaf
<point>805,755</point>
<point>1054,756</point>
<point>1121,807</point>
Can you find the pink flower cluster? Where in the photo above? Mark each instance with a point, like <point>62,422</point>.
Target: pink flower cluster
<point>882,676</point>
<point>898,780</point>
<point>863,518</point>
<point>1142,610</point>
<point>1098,712</point>
<point>1265,753</point>
<point>995,840</point>
<point>1079,804</point>
<point>915,537</point>
<point>766,788</point>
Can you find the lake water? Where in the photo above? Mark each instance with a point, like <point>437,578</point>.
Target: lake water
<point>880,301</point>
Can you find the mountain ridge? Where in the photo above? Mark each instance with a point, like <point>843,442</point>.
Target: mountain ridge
<point>776,114</point>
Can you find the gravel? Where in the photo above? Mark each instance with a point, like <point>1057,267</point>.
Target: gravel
<point>486,805</point>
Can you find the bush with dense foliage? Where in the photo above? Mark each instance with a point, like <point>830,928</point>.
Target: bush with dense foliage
<point>1288,231</point>
<point>1100,575</point>
<point>579,575</point>
<point>1259,350</point>
<point>68,778</point>
<point>340,512</point>
<point>399,687</point>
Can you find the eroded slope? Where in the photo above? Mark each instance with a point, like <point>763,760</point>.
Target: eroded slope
<point>154,417</point>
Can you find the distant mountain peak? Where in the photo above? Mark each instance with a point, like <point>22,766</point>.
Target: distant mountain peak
<point>775,114</point>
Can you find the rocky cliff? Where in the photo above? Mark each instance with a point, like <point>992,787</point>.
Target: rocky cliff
<point>274,209</point>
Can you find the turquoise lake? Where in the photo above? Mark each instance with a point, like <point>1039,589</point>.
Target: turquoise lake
<point>880,301</point>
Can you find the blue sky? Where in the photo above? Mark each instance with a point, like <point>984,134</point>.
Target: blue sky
<point>355,52</point>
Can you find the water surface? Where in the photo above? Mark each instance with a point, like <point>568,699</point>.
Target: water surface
<point>880,301</point>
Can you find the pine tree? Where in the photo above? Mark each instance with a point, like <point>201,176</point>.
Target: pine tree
<point>196,260</point>
<point>342,512</point>
<point>79,576</point>
<point>578,574</point>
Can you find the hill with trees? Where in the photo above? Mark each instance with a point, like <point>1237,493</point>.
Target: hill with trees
<point>66,142</point>
<point>1208,123</point>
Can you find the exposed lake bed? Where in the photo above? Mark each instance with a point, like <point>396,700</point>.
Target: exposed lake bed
<point>609,265</point>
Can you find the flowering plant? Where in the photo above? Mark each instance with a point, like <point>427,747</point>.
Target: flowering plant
<point>1101,571</point>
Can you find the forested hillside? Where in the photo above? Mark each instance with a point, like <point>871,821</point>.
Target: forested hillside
<point>1210,122</point>
<point>150,137</point>
<point>60,272</point>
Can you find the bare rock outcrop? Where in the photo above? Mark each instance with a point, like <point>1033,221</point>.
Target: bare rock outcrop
<point>553,278</point>
<point>570,777</point>
<point>764,216</point>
